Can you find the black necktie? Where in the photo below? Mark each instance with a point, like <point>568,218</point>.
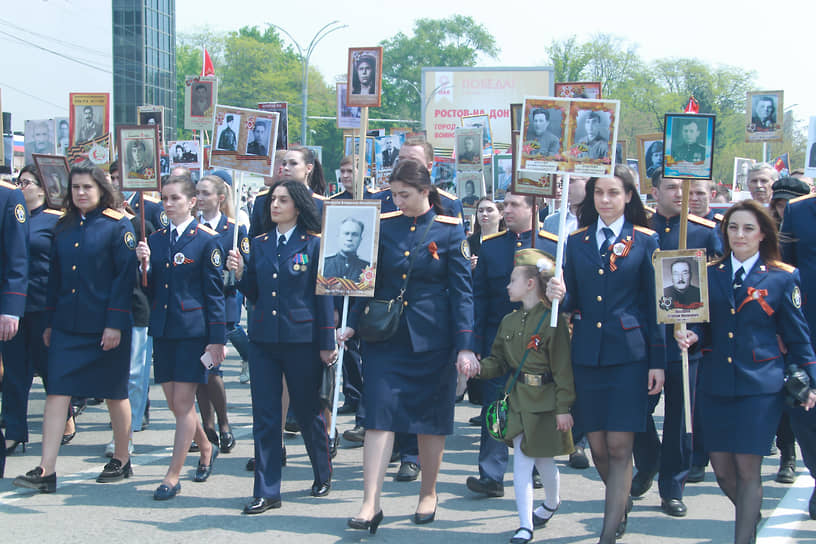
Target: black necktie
<point>737,283</point>
<point>281,244</point>
<point>610,239</point>
<point>173,237</point>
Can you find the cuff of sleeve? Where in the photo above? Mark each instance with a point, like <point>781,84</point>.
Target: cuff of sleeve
<point>327,341</point>
<point>465,340</point>
<point>118,319</point>
<point>13,304</point>
<point>657,357</point>
<point>217,333</point>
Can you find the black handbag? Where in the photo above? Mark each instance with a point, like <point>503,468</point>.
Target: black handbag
<point>381,318</point>
<point>497,411</point>
<point>326,393</point>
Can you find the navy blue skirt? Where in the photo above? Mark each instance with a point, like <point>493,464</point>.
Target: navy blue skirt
<point>743,424</point>
<point>78,367</point>
<point>408,392</point>
<point>611,398</point>
<point>179,360</point>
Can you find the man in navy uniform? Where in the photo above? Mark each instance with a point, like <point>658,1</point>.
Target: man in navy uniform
<point>672,458</point>
<point>491,303</point>
<point>13,271</point>
<point>799,249</point>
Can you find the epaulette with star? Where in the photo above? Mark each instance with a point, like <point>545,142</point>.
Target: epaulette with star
<point>389,215</point>
<point>782,266</point>
<point>547,235</point>
<point>113,214</point>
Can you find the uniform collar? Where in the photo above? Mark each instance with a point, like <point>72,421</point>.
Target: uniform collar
<point>214,222</point>
<point>746,265</point>
<point>37,210</point>
<point>180,228</point>
<point>616,226</point>
<point>527,234</point>
<point>287,234</point>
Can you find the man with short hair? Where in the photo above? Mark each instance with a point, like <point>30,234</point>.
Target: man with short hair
<point>200,101</point>
<point>389,154</point>
<point>491,303</point>
<point>764,115</point>
<point>687,149</point>
<point>41,142</point>
<point>597,147</point>
<point>89,129</point>
<point>700,193</point>
<point>576,192</point>
<point>539,132</point>
<point>681,293</point>
<point>346,263</point>
<point>672,457</point>
<point>469,154</point>
<point>761,178</point>
<point>227,140</point>
<point>258,144</point>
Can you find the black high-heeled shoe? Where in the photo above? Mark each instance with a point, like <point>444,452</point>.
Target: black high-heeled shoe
<point>66,438</point>
<point>11,449</point>
<point>422,519</point>
<point>369,525</point>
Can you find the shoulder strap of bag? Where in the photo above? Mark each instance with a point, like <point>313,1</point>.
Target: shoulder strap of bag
<point>411,260</point>
<point>524,357</point>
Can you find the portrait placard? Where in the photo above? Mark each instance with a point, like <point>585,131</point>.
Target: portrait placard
<point>184,153</point>
<point>810,157</point>
<point>569,136</point>
<point>688,146</point>
<point>347,116</point>
<point>482,121</point>
<point>40,137</point>
<point>386,149</point>
<point>365,76</point>
<point>244,139</point>
<point>443,174</point>
<point>200,98</point>
<point>579,89</point>
<point>470,188</point>
<point>152,115</point>
<point>63,135</point>
<point>741,167</point>
<point>764,116</point>
<point>681,284</point>
<point>54,175</point>
<point>353,149</point>
<point>502,175</point>
<point>139,150</point>
<point>89,116</point>
<point>650,158</point>
<point>282,108</point>
<point>348,248</point>
<point>97,151</point>
<point>469,148</point>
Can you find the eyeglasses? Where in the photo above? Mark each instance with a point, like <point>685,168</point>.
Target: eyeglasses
<point>25,182</point>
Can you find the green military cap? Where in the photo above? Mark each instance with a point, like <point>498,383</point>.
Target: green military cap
<point>535,257</point>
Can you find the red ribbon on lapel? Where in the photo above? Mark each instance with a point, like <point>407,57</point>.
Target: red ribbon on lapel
<point>432,247</point>
<point>758,295</point>
<point>534,343</point>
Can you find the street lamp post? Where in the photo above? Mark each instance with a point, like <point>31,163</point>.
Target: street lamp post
<point>304,57</point>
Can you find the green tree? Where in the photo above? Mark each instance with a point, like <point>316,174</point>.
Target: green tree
<point>454,41</point>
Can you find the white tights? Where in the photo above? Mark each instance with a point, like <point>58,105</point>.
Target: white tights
<point>523,483</point>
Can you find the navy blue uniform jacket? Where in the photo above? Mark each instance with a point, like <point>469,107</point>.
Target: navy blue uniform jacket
<point>799,249</point>
<point>226,233</point>
<point>13,251</point>
<point>186,285</point>
<point>439,298</point>
<point>41,237</point>
<point>615,319</point>
<point>286,307</point>
<point>491,276</point>
<point>154,210</point>
<point>745,357</point>
<point>93,270</point>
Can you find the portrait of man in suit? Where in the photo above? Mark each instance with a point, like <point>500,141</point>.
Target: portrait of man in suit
<point>389,154</point>
<point>764,115</point>
<point>681,292</point>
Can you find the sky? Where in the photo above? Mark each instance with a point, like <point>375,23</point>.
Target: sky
<point>769,38</point>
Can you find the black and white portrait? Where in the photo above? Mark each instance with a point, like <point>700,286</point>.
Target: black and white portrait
<point>682,286</point>
<point>139,159</point>
<point>469,187</point>
<point>684,290</point>
<point>364,76</point>
<point>348,248</point>
<point>688,139</point>
<point>54,174</point>
<point>364,80</point>
<point>258,137</point>
<point>89,123</point>
<point>591,135</point>
<point>387,149</point>
<point>810,160</point>
<point>39,138</point>
<point>468,147</point>
<point>184,153</point>
<point>227,137</point>
<point>763,108</point>
<point>153,115</point>
<point>347,116</point>
<point>483,122</point>
<point>200,98</point>
<point>544,132</point>
<point>63,135</point>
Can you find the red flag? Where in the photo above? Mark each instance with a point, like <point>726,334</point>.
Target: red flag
<point>692,106</point>
<point>207,69</point>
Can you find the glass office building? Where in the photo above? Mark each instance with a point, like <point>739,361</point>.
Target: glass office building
<point>144,60</point>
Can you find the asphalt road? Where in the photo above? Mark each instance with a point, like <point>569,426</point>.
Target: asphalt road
<point>84,511</point>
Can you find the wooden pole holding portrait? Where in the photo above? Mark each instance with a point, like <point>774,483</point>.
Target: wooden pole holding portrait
<point>686,159</point>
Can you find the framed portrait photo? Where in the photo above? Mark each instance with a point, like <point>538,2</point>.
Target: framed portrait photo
<point>244,139</point>
<point>650,158</point>
<point>579,89</point>
<point>810,150</point>
<point>764,112</point>
<point>40,137</point>
<point>741,167</point>
<point>681,282</point>
<point>200,98</point>
<point>282,141</point>
<point>443,174</point>
<point>468,148</point>
<point>483,122</point>
<point>63,135</point>
<point>351,146</point>
<point>184,153</point>
<point>470,188</point>
<point>89,116</point>
<point>348,248</point>
<point>593,136</point>
<point>688,145</point>
<point>364,76</point>
<point>502,174</point>
<point>347,116</point>
<point>54,172</point>
<point>152,115</point>
<point>140,167</point>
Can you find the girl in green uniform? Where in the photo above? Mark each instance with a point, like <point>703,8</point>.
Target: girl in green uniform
<point>539,420</point>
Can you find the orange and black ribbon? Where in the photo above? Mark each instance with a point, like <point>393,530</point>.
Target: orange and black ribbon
<point>758,295</point>
<point>627,246</point>
<point>432,247</point>
<point>534,343</point>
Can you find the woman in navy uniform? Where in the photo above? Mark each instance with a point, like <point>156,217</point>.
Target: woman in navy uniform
<point>291,334</point>
<point>618,350</point>
<point>93,269</point>
<point>26,354</point>
<point>410,380</point>
<point>187,321</point>
<point>754,299</point>
<point>214,202</point>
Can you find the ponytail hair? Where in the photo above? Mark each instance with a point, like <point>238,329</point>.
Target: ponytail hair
<point>414,173</point>
<point>316,180</point>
